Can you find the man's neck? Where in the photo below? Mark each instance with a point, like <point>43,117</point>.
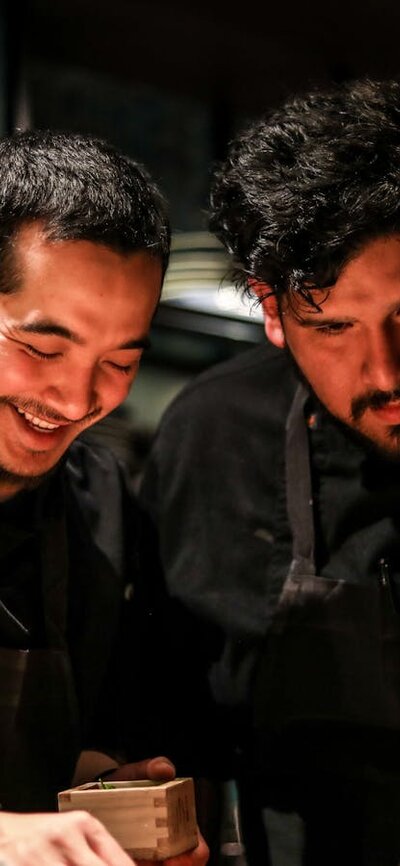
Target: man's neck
<point>8,490</point>
<point>11,486</point>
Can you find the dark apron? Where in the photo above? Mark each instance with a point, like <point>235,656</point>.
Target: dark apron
<point>327,694</point>
<point>38,710</point>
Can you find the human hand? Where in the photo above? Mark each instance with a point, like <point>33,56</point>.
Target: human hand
<point>158,769</point>
<point>161,769</point>
<point>75,838</point>
<point>49,839</point>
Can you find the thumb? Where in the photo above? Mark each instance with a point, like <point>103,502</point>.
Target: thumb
<point>157,769</point>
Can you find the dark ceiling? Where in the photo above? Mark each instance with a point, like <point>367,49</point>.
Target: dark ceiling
<point>242,56</point>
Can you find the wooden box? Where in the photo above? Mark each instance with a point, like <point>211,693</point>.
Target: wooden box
<point>150,820</point>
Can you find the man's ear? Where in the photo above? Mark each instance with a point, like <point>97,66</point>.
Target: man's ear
<point>272,317</point>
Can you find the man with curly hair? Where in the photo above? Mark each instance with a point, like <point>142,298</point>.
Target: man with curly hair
<point>274,479</point>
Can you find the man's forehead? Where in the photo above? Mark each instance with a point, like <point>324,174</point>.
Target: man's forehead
<point>359,282</point>
<point>32,245</point>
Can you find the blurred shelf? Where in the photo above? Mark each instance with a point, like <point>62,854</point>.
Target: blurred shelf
<point>186,318</point>
<point>197,281</point>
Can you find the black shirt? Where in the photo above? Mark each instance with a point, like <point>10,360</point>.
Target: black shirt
<point>99,553</point>
<point>20,586</point>
<point>214,492</point>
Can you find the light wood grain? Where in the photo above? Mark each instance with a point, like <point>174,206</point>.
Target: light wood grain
<point>150,820</point>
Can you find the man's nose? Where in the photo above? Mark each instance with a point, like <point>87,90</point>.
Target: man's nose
<point>74,396</point>
<point>382,361</point>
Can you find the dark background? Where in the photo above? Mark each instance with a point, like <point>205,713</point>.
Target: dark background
<point>170,83</point>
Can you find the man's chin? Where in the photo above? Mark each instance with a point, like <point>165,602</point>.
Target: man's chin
<point>14,482</point>
<point>387,447</point>
<point>391,449</point>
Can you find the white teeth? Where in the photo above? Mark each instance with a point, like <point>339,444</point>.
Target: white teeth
<point>37,422</point>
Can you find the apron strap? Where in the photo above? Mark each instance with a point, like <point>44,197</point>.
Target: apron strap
<point>299,487</point>
<point>54,564</point>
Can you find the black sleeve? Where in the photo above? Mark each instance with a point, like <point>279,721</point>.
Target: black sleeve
<point>171,709</point>
<point>190,546</point>
<point>210,528</point>
<point>102,522</point>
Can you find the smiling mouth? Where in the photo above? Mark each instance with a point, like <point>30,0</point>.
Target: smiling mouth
<point>36,423</point>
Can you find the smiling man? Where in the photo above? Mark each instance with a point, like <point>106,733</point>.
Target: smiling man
<point>278,515</point>
<point>84,243</point>
<point>72,333</point>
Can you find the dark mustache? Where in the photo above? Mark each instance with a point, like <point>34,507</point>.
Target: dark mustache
<point>373,400</point>
<point>35,408</point>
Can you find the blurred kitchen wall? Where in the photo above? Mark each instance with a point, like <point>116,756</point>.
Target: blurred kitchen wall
<point>171,81</point>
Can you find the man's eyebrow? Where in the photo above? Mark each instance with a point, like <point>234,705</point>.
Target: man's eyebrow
<point>141,343</point>
<point>319,323</point>
<point>54,329</point>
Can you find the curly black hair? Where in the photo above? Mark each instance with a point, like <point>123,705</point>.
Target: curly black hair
<point>307,186</point>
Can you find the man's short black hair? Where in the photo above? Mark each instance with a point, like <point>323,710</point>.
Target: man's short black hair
<point>305,187</point>
<point>80,188</point>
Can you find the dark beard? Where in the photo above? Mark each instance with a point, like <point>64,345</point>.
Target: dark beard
<point>353,435</point>
<point>22,482</point>
<point>368,445</point>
